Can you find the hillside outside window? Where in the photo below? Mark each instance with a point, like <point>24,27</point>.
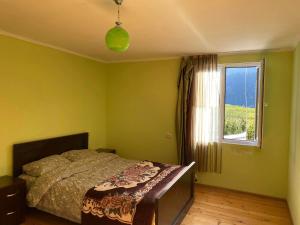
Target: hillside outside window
<point>241,103</point>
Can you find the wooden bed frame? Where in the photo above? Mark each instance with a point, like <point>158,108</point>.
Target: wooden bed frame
<point>170,206</point>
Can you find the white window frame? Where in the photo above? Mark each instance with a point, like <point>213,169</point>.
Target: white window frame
<point>259,102</point>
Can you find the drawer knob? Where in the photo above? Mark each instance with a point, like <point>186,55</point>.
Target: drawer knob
<point>10,213</point>
<point>10,195</point>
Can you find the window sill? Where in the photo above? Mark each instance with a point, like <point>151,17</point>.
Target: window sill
<point>241,143</point>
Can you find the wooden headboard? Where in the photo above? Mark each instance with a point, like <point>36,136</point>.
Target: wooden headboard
<point>24,153</point>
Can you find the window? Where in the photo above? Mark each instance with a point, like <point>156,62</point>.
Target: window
<point>242,103</point>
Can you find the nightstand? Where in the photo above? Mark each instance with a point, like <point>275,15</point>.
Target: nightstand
<point>106,150</point>
<point>12,200</point>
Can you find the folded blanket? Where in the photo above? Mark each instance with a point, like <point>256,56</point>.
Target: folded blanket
<point>129,197</point>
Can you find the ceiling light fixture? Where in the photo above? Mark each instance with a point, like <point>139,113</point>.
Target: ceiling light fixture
<point>117,39</point>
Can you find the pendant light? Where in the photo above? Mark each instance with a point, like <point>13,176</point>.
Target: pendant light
<point>117,39</point>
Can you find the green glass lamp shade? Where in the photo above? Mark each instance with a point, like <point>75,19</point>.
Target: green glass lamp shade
<point>117,39</point>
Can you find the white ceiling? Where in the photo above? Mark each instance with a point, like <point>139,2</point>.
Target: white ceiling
<point>158,28</point>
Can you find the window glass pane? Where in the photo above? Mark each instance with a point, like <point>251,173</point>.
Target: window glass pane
<point>240,103</point>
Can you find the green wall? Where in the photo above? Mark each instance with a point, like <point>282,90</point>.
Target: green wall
<point>141,105</point>
<point>294,172</point>
<point>141,111</point>
<point>46,93</point>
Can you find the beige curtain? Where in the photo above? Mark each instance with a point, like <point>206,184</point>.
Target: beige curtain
<point>207,116</point>
<point>198,113</point>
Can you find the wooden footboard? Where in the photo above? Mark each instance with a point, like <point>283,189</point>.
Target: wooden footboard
<point>176,199</point>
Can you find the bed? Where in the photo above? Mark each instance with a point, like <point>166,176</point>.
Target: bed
<point>171,204</point>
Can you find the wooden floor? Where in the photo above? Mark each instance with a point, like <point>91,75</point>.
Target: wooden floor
<point>214,206</point>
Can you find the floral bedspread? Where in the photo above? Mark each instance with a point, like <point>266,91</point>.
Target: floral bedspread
<point>128,197</point>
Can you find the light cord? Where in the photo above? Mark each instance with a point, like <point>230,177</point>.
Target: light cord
<point>119,20</point>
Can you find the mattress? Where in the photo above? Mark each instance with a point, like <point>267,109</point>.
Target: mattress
<point>61,191</point>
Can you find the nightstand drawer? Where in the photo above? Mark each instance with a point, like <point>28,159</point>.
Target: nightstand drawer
<point>10,218</point>
<point>9,192</point>
<point>9,198</point>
